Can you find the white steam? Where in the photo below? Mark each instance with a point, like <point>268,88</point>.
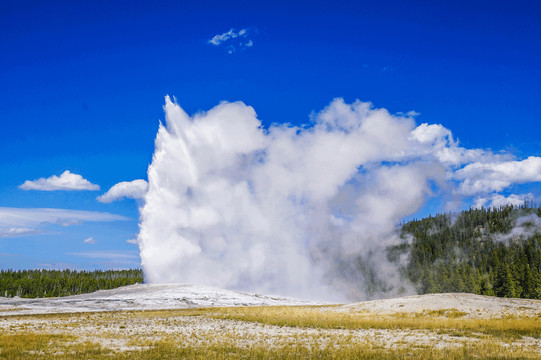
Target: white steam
<point>287,209</point>
<point>523,228</point>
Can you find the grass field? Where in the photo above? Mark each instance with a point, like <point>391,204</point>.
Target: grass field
<point>277,332</point>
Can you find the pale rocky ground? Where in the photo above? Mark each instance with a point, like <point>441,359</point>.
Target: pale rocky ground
<point>126,330</point>
<point>475,306</point>
<point>143,297</point>
<point>160,296</point>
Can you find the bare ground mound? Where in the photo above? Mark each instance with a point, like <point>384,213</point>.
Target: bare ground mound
<point>172,296</point>
<point>143,297</point>
<point>467,305</point>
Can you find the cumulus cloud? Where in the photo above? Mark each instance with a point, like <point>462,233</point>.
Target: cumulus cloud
<point>233,40</point>
<point>89,240</point>
<point>288,209</point>
<point>66,181</point>
<point>27,221</point>
<point>479,178</point>
<point>135,189</point>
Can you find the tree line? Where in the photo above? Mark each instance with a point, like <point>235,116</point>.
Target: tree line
<point>475,251</point>
<point>53,283</point>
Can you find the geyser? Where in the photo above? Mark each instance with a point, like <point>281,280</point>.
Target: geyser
<point>287,210</point>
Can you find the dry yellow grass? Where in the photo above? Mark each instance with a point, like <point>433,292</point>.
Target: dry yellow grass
<point>325,318</point>
<point>266,332</point>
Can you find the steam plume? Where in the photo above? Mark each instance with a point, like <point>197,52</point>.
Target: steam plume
<point>288,209</point>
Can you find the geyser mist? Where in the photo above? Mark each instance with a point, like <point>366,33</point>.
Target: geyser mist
<point>287,210</point>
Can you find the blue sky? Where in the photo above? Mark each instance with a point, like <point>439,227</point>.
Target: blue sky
<point>82,86</point>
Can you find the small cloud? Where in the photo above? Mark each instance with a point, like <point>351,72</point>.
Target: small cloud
<point>15,222</point>
<point>16,232</point>
<point>66,181</point>
<point>135,189</point>
<point>132,241</point>
<point>411,113</point>
<point>219,39</point>
<point>233,40</point>
<point>90,240</point>
<point>497,200</point>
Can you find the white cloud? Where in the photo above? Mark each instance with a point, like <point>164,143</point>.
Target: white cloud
<point>135,189</point>
<point>132,241</point>
<point>17,231</point>
<point>89,240</point>
<point>482,178</point>
<point>497,200</point>
<point>66,181</point>
<point>221,38</point>
<point>26,221</point>
<point>233,40</point>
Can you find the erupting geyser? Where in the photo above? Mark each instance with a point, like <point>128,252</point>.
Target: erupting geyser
<point>283,210</point>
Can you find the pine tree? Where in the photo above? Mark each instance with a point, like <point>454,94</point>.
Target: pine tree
<point>505,283</point>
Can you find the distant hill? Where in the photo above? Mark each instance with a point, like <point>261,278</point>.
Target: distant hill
<point>481,251</point>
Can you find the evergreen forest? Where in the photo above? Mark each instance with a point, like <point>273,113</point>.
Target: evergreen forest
<point>52,283</point>
<point>494,252</point>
